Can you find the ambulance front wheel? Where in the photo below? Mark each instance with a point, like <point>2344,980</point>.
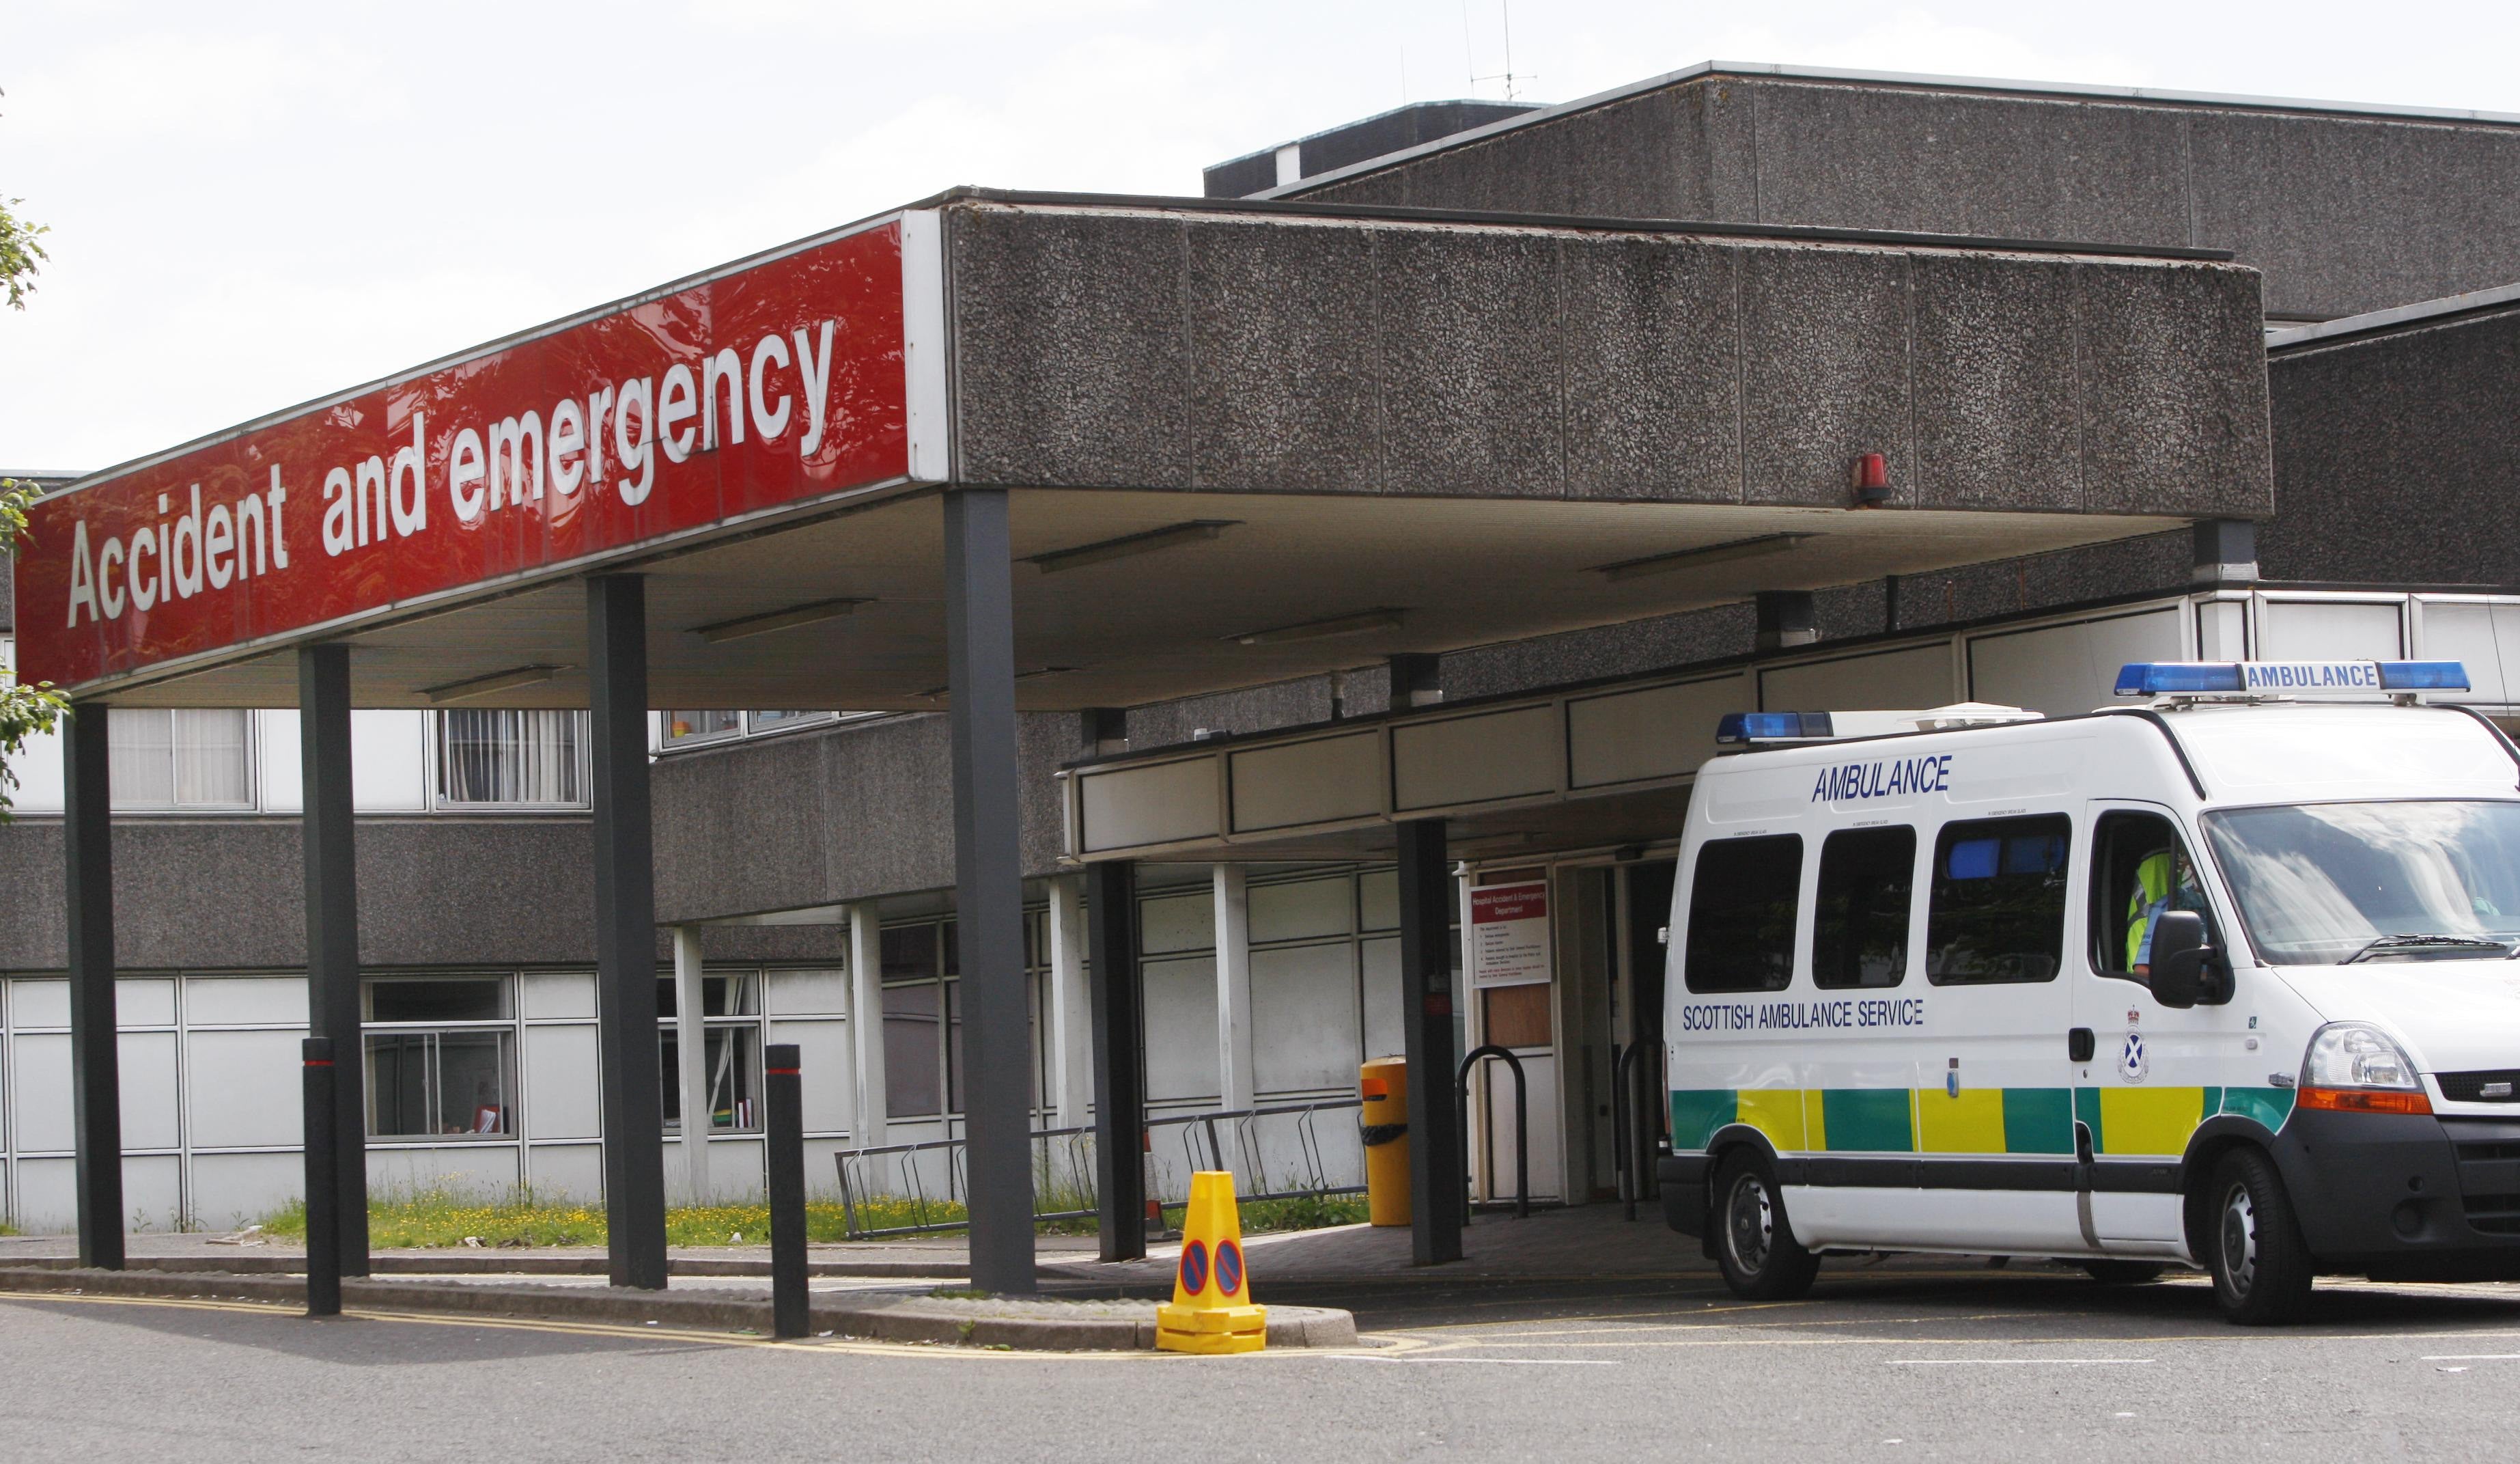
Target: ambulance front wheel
<point>2262,1267</point>
<point>1753,1242</point>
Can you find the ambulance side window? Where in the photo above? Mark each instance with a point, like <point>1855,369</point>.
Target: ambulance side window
<point>1860,919</point>
<point>1996,912</point>
<point>2139,869</point>
<point>1742,914</point>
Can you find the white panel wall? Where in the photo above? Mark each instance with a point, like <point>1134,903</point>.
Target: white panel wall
<point>1181,1029</point>
<point>461,1166</point>
<point>1885,680</point>
<point>562,1079</point>
<point>1304,1032</point>
<point>827,1077</point>
<point>568,1171</point>
<point>230,1190</point>
<point>2487,637</point>
<point>40,1092</point>
<point>2066,670</point>
<point>389,762</point>
<point>1384,1036</point>
<point>2290,630</point>
<point>245,1088</point>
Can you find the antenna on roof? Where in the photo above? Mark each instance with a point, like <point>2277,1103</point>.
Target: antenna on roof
<point>1505,8</point>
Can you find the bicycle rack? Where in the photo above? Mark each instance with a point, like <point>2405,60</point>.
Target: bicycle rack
<point>1521,1126</point>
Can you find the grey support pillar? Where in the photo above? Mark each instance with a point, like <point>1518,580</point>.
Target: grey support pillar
<point>1436,1178</point>
<point>96,1070</point>
<point>333,1008</point>
<point>1119,1059</point>
<point>2226,551</point>
<point>988,886</point>
<point>625,930</point>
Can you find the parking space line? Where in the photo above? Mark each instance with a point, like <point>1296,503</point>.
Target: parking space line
<point>2018,1363</point>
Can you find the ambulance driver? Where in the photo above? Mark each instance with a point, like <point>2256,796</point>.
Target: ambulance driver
<point>2145,874</point>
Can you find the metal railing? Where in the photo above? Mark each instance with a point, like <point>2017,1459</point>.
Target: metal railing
<point>932,1178</point>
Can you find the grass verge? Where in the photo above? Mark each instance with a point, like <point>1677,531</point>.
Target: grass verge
<point>456,1217</point>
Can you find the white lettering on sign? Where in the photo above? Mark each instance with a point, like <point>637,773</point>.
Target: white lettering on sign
<point>1846,1013</point>
<point>1510,935</point>
<point>2312,675</point>
<point>1893,778</point>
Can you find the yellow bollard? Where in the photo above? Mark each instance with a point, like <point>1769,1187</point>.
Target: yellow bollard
<point>1383,1085</point>
<point>1211,1308</point>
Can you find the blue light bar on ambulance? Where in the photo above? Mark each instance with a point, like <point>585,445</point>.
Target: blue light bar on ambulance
<point>2287,678</point>
<point>1736,727</point>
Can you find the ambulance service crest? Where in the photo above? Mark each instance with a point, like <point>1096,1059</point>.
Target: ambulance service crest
<point>2132,1064</point>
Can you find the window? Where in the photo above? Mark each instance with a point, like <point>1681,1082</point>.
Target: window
<point>731,1057</point>
<point>2139,869</point>
<point>702,726</point>
<point>441,1056</point>
<point>503,756</point>
<point>179,757</point>
<point>778,721</point>
<point>923,1016</point>
<point>2420,879</point>
<point>1998,907</point>
<point>1860,920</point>
<point>1742,914</point>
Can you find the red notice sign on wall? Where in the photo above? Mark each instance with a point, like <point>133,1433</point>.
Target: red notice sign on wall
<point>1510,935</point>
<point>755,388</point>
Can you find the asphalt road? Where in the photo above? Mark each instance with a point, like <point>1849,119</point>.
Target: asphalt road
<point>1913,1361</point>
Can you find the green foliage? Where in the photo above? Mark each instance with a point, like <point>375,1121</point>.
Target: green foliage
<point>24,710</point>
<point>447,1215</point>
<point>18,254</point>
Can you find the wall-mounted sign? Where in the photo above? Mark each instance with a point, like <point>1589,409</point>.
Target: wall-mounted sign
<point>1510,935</point>
<point>759,386</point>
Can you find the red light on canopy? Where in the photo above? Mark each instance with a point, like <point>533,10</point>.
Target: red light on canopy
<point>1871,479</point>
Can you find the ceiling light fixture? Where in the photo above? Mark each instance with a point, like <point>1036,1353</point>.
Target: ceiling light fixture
<point>1724,553</point>
<point>936,693</point>
<point>813,612</point>
<point>1308,630</point>
<point>482,686</point>
<point>1103,551</point>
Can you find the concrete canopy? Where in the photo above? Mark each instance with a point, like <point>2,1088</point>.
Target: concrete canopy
<point>1410,431</point>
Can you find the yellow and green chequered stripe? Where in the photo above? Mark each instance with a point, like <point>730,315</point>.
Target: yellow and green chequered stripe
<point>1977,1120</point>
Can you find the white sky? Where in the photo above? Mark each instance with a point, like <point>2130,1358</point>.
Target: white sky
<point>253,203</point>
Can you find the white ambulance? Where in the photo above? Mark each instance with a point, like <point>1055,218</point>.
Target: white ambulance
<point>2222,979</point>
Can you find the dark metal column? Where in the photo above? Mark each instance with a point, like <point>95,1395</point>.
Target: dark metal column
<point>1119,1058</point>
<point>333,936</point>
<point>96,1069</point>
<point>1435,1178</point>
<point>988,886</point>
<point>625,930</point>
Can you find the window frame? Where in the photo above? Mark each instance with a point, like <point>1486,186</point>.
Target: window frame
<point>440,801</point>
<point>755,1022</point>
<point>510,1043</point>
<point>2065,884</point>
<point>1908,907</point>
<point>1794,929</point>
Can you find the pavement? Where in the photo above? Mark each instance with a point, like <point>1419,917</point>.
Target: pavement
<point>1919,1358</point>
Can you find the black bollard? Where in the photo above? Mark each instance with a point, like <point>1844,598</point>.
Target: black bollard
<point>323,1184</point>
<point>787,1135</point>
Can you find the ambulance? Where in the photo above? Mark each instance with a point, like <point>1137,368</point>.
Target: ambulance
<point>2226,977</point>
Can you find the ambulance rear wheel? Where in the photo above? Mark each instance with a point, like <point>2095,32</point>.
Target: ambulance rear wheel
<point>1753,1242</point>
<point>2262,1266</point>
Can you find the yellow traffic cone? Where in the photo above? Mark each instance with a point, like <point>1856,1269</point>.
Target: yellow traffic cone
<point>1211,1308</point>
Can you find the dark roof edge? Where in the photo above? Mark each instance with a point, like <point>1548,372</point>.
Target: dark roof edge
<point>1400,213</point>
<point>1907,79</point>
<point>1375,117</point>
<point>2381,322</point>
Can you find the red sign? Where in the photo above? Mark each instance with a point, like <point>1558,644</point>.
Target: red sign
<point>1505,902</point>
<point>762,386</point>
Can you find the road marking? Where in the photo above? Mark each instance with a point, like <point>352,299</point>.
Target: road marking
<point>2017,1362</point>
<point>1491,1362</point>
<point>2475,1357</point>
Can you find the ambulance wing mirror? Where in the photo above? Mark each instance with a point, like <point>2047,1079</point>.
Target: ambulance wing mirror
<point>2185,969</point>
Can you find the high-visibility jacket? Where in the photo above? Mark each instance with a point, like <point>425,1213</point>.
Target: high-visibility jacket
<point>2152,895</point>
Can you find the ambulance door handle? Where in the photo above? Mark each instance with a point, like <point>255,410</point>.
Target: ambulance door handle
<point>2080,1045</point>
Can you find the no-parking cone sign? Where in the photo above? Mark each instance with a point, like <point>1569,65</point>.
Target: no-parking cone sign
<point>1211,1308</point>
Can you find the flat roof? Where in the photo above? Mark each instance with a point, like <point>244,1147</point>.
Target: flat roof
<point>2073,91</point>
<point>2381,322</point>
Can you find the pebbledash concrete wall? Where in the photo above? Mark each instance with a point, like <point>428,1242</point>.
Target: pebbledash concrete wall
<point>2345,209</point>
<point>1188,347</point>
